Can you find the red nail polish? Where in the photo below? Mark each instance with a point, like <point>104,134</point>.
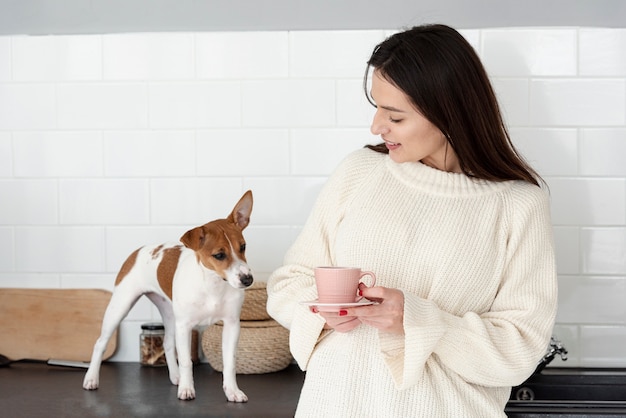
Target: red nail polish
<point>360,292</point>
<point>343,312</point>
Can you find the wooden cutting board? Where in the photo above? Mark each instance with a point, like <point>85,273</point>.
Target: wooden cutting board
<point>43,324</point>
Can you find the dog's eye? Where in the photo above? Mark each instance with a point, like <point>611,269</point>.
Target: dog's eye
<point>219,256</point>
<point>242,248</point>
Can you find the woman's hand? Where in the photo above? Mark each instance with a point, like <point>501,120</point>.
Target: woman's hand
<point>387,315</point>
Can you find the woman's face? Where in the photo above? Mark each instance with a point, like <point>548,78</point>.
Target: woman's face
<point>409,136</point>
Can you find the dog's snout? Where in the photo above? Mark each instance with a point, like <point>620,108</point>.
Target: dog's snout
<point>246,279</point>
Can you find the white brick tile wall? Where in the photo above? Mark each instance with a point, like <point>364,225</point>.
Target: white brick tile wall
<point>28,106</point>
<point>267,242</point>
<point>592,300</point>
<point>104,201</point>
<point>242,55</point>
<point>7,251</point>
<point>57,58</point>
<point>600,345</point>
<point>5,59</point>
<point>6,155</point>
<point>530,52</point>
<point>59,249</point>
<point>288,103</point>
<point>513,97</point>
<point>331,54</point>
<point>29,202</point>
<point>192,201</point>
<point>353,109</point>
<point>102,106</point>
<point>109,142</point>
<point>551,151</point>
<point>578,102</point>
<point>603,250</point>
<point>311,148</point>
<point>31,280</point>
<point>144,153</point>
<point>242,152</point>
<point>567,248</point>
<point>57,154</point>
<point>162,56</point>
<point>602,52</point>
<point>283,200</point>
<point>604,150</point>
<point>588,201</point>
<point>195,105</point>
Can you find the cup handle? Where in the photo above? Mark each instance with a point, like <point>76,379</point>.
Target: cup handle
<point>363,274</point>
<point>372,275</point>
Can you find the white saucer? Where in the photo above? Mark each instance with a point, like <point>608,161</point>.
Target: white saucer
<point>334,307</point>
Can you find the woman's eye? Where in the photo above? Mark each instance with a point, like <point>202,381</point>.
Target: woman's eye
<point>392,120</point>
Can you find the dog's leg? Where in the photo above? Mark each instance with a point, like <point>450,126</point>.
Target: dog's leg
<point>121,303</point>
<point>230,339</point>
<point>186,390</point>
<point>167,314</point>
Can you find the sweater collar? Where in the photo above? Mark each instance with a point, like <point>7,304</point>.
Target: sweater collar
<point>420,176</point>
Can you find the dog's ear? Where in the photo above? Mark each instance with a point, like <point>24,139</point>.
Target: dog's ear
<point>241,213</point>
<point>194,238</point>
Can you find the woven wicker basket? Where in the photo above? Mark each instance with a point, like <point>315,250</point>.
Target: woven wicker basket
<point>263,347</point>
<point>255,303</point>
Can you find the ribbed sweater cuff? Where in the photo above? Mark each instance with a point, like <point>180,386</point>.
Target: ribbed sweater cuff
<point>406,355</point>
<point>304,335</point>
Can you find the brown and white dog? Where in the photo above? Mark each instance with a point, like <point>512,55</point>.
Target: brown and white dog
<point>199,283</point>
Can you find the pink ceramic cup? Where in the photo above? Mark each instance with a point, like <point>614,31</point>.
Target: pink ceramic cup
<point>339,284</point>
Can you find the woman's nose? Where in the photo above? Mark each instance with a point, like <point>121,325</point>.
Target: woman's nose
<point>378,126</point>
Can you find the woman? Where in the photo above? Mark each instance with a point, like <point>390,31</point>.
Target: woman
<point>456,227</point>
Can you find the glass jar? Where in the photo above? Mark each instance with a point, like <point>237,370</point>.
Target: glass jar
<point>151,352</point>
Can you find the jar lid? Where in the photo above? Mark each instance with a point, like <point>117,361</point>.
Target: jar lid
<point>152,326</point>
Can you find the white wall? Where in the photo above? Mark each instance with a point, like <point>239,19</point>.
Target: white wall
<point>111,141</point>
<point>42,17</point>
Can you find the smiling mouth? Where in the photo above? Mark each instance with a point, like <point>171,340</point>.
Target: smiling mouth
<point>391,145</point>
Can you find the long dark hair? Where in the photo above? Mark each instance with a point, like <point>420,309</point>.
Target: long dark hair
<point>442,75</point>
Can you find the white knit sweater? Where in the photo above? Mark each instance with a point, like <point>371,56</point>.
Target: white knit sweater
<point>476,264</point>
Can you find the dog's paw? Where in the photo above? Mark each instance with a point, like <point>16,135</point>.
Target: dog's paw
<point>90,383</point>
<point>235,395</point>
<point>186,393</point>
<point>174,378</point>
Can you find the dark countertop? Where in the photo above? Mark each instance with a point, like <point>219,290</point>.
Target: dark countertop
<point>32,390</point>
